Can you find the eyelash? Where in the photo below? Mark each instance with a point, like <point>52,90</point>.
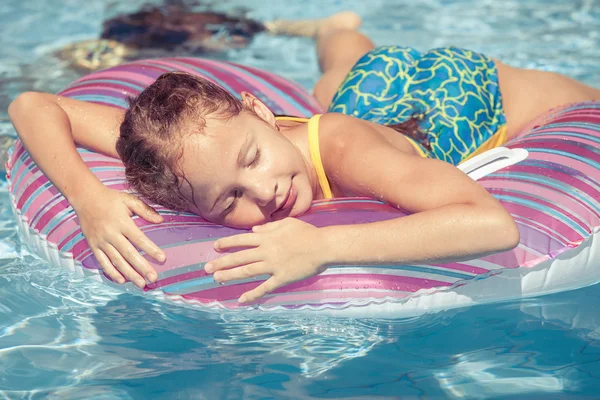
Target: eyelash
<point>256,159</point>
<point>235,193</point>
<point>232,205</point>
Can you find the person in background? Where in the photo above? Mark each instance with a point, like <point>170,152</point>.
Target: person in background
<point>174,29</point>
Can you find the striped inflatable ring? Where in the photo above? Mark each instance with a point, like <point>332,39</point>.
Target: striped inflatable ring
<point>552,189</point>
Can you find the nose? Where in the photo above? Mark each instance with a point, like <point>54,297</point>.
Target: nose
<point>263,192</point>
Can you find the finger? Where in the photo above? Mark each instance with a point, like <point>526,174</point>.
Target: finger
<point>107,266</point>
<point>236,259</point>
<point>269,226</point>
<point>243,272</point>
<point>134,258</point>
<point>242,240</point>
<point>123,266</point>
<point>142,242</point>
<point>142,209</point>
<point>264,288</point>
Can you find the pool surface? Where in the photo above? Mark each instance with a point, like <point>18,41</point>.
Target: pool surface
<point>62,337</point>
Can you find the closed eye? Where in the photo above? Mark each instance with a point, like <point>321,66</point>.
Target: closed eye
<point>231,206</point>
<point>256,159</point>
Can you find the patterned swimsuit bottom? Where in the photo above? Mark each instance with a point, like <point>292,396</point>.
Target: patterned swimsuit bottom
<point>454,91</point>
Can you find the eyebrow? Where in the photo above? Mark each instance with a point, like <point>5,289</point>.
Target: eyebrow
<point>244,148</point>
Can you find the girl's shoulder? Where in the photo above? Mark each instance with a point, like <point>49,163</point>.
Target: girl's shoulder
<point>336,127</point>
<point>343,135</point>
<point>338,132</point>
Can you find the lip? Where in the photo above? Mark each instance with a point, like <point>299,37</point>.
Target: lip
<point>288,202</point>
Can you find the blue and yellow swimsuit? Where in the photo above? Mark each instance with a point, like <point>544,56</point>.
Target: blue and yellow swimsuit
<point>454,90</point>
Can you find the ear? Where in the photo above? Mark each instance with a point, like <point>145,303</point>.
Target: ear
<point>251,103</point>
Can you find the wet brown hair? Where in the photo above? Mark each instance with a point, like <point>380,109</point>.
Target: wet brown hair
<point>150,141</point>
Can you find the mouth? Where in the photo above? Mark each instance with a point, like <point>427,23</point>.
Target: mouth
<point>288,203</point>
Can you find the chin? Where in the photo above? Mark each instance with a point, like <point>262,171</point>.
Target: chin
<point>244,226</point>
<point>301,208</point>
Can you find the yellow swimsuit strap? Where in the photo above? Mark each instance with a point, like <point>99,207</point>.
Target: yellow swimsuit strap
<point>315,155</point>
<point>295,119</point>
<point>315,151</point>
<point>416,146</point>
<point>496,140</point>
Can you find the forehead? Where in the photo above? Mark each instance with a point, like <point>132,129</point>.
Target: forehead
<point>214,141</point>
<point>209,159</point>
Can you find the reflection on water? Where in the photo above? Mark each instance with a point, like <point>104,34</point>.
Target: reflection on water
<point>66,338</point>
<point>481,373</point>
<point>60,333</point>
<point>314,344</point>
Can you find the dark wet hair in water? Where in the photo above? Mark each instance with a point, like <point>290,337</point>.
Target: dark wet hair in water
<point>150,141</point>
<point>176,27</point>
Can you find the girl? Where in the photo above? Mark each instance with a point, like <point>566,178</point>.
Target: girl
<point>190,145</point>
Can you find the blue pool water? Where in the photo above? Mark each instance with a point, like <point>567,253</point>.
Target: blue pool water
<point>66,338</point>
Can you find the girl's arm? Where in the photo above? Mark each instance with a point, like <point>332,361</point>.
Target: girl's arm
<point>452,217</point>
<point>49,126</point>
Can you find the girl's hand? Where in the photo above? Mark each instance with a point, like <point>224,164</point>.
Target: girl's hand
<point>105,219</point>
<point>288,250</point>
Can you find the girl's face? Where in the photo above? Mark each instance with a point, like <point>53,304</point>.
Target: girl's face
<point>244,172</point>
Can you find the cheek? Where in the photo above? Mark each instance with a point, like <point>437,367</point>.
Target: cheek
<point>285,157</point>
<point>244,216</point>
<point>306,199</point>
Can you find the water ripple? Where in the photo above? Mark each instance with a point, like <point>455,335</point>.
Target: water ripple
<point>68,338</point>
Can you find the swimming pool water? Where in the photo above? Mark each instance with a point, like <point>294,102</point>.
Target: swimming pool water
<point>66,338</point>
